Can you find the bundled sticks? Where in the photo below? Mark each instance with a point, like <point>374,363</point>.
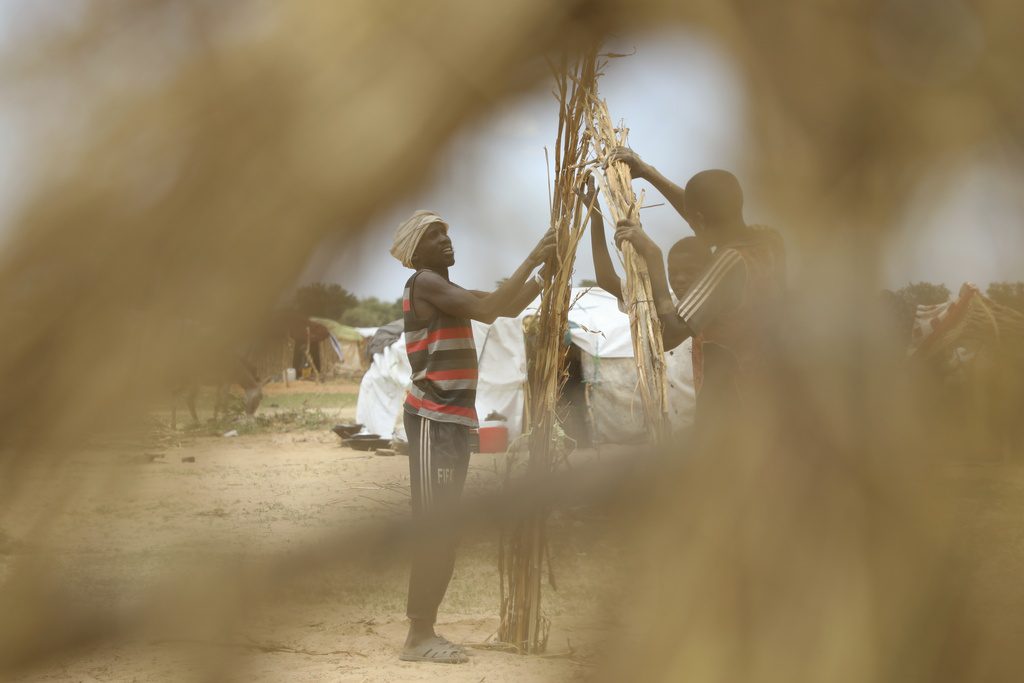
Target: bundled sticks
<point>648,349</point>
<point>523,548</point>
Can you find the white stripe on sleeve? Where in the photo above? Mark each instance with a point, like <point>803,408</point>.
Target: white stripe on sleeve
<point>700,292</point>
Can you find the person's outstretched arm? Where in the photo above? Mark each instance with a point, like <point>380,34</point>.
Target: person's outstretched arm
<point>530,291</point>
<point>435,291</point>
<point>604,269</point>
<point>527,296</point>
<point>638,168</point>
<point>673,330</point>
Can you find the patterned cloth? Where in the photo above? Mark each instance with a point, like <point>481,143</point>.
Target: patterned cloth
<point>409,233</point>
<point>931,321</point>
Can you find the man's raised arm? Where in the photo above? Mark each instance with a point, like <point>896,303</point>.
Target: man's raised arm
<point>462,303</point>
<point>604,269</point>
<point>673,330</point>
<point>530,291</point>
<point>638,168</point>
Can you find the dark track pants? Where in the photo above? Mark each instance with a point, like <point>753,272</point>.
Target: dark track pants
<point>438,462</point>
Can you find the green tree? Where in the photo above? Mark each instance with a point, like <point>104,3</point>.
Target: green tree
<point>1010,294</point>
<point>924,294</point>
<point>588,283</point>
<point>320,300</point>
<point>372,312</point>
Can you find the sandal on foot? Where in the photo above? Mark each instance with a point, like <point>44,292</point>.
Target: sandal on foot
<point>436,649</point>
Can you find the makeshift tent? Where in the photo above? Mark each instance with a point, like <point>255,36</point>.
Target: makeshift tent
<point>346,344</point>
<point>600,331</point>
<point>335,348</point>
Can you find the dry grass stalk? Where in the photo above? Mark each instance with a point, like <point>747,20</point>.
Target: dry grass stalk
<point>648,349</point>
<point>523,549</point>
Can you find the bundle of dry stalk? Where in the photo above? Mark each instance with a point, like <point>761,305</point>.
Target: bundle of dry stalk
<point>645,327</point>
<point>523,548</point>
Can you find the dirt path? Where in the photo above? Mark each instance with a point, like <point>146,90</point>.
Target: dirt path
<point>129,525</point>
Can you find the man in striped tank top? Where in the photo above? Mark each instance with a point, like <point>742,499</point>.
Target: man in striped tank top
<point>440,407</point>
<point>733,309</point>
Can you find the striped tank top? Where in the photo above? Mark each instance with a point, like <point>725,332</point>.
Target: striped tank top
<point>442,355</point>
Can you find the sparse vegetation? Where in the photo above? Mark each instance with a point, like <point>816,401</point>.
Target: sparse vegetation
<point>269,422</point>
<point>322,300</point>
<point>924,294</point>
<point>310,401</point>
<point>372,312</point>
<point>1009,294</point>
<point>277,413</point>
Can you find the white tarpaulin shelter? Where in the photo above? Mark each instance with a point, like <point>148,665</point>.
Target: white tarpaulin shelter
<point>596,326</point>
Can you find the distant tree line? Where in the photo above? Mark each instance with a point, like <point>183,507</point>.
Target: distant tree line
<point>924,294</point>
<point>322,300</point>
<point>1009,294</point>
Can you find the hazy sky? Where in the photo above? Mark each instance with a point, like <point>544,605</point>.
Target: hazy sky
<point>684,104</point>
<point>976,233</point>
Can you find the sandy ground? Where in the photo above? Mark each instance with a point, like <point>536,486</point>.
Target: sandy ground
<point>114,524</point>
<point>310,387</point>
<point>118,525</point>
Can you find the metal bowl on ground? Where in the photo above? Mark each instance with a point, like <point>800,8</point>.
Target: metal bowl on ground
<point>347,430</point>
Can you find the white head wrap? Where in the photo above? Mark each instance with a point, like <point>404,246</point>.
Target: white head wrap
<point>409,234</point>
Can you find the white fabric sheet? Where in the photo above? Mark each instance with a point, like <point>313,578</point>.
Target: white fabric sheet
<point>597,326</point>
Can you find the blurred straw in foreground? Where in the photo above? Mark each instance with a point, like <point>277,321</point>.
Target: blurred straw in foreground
<point>831,544</point>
